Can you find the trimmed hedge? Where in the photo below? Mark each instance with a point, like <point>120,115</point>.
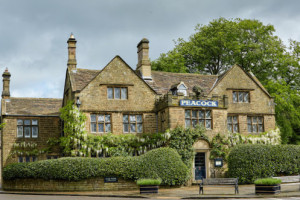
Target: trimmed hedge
<point>164,163</point>
<point>250,162</point>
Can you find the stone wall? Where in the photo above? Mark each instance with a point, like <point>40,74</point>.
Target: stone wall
<point>49,127</point>
<point>93,184</point>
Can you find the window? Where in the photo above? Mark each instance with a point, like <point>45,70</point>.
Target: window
<point>27,159</point>
<point>233,124</point>
<point>198,117</point>
<point>255,124</point>
<point>132,123</point>
<point>27,128</point>
<point>100,123</point>
<point>117,93</point>
<point>238,96</point>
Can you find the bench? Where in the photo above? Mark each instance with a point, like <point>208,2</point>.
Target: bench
<point>219,182</point>
<point>290,180</point>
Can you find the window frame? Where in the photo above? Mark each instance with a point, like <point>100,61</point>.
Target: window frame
<point>129,122</point>
<point>257,123</point>
<point>238,96</point>
<point>232,123</point>
<point>113,92</point>
<point>31,127</point>
<point>198,118</point>
<point>97,122</point>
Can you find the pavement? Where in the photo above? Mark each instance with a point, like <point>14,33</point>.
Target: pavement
<point>191,192</point>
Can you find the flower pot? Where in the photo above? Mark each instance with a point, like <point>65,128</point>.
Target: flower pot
<point>267,189</point>
<point>149,189</point>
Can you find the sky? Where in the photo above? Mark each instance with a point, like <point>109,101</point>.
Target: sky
<point>34,33</point>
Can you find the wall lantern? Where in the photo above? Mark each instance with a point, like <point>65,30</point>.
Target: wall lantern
<point>78,103</point>
<point>219,162</point>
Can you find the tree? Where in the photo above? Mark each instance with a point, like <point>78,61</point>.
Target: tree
<point>215,47</point>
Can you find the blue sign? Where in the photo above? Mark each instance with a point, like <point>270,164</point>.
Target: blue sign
<point>199,103</point>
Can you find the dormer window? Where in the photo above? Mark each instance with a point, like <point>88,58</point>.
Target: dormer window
<point>179,88</point>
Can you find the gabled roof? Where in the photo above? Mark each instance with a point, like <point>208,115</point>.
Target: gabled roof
<point>31,106</point>
<point>81,77</point>
<point>163,81</point>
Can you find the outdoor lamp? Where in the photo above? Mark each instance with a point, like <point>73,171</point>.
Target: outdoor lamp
<point>78,103</point>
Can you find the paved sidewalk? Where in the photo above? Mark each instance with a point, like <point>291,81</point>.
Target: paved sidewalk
<point>192,192</point>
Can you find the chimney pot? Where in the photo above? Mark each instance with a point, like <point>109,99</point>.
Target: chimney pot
<point>144,65</point>
<point>6,82</point>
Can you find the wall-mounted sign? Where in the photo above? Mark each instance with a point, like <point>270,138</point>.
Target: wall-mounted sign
<point>110,179</point>
<point>198,103</point>
<point>218,162</point>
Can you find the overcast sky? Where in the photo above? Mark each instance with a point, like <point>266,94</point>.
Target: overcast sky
<point>33,33</point>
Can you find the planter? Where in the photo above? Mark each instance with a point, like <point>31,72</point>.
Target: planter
<point>149,189</point>
<point>267,189</point>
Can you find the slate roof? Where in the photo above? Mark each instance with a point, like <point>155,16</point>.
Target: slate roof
<point>81,77</point>
<point>31,106</point>
<point>163,81</point>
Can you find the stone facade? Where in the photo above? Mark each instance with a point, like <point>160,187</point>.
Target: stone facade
<point>119,91</point>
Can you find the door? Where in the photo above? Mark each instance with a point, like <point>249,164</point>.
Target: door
<point>200,170</point>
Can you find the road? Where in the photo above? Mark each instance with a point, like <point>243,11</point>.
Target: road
<point>61,197</point>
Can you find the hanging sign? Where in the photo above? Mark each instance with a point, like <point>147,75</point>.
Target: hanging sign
<point>199,103</point>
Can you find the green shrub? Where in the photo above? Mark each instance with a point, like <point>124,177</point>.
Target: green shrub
<point>250,162</point>
<point>267,181</point>
<point>145,181</point>
<point>164,163</point>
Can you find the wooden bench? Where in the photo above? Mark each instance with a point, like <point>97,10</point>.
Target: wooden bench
<point>289,180</point>
<point>219,182</point>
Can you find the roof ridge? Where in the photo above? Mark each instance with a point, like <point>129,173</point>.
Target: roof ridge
<point>193,74</point>
<point>46,98</point>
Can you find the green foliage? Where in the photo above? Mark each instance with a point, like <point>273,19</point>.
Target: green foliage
<point>287,110</point>
<point>267,181</point>
<point>145,181</point>
<point>219,147</point>
<point>182,140</point>
<point>164,163</point>
<point>249,162</point>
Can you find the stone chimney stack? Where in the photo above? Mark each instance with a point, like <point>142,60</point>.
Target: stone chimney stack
<point>6,81</point>
<point>144,66</point>
<point>72,52</point>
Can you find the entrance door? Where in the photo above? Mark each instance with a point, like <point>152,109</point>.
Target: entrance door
<point>200,170</point>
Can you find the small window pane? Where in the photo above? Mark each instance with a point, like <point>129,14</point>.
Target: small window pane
<point>93,127</point>
<point>101,128</point>
<point>125,118</point>
<point>187,114</point>
<point>124,93</point>
<point>254,128</point>
<point>34,122</point>
<point>100,118</point>
<point>246,97</point>
<point>229,127</point>
<point>27,132</point>
<point>20,131</point>
<point>139,118</point>
<point>201,122</point>
<point>254,120</point>
<point>208,114</point>
<point>93,118</point>
<point>26,122</point>
<point>241,96</point>
<point>201,114</point>
<point>229,120</point>
<point>249,128</point>
<point>110,93</point>
<point>126,128</point>
<point>187,123</point>
<point>194,122</point>
<point>260,120</point>
<point>20,159</point>
<point>35,130</point>
<point>27,159</point>
<point>132,128</point>
<point>194,114</point>
<point>20,122</point>
<point>260,128</point>
<point>107,118</point>
<point>117,93</point>
<point>235,128</point>
<point>249,120</point>
<point>208,124</point>
<point>139,128</point>
<point>107,128</point>
<point>132,118</point>
<point>235,121</point>
<point>34,158</point>
<point>234,95</point>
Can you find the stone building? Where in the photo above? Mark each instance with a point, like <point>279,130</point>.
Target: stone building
<point>121,100</point>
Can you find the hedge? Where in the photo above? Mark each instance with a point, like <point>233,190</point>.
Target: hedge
<point>163,163</point>
<point>250,162</point>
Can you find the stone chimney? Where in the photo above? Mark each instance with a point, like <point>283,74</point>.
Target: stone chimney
<point>6,81</point>
<point>144,66</point>
<point>72,52</point>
